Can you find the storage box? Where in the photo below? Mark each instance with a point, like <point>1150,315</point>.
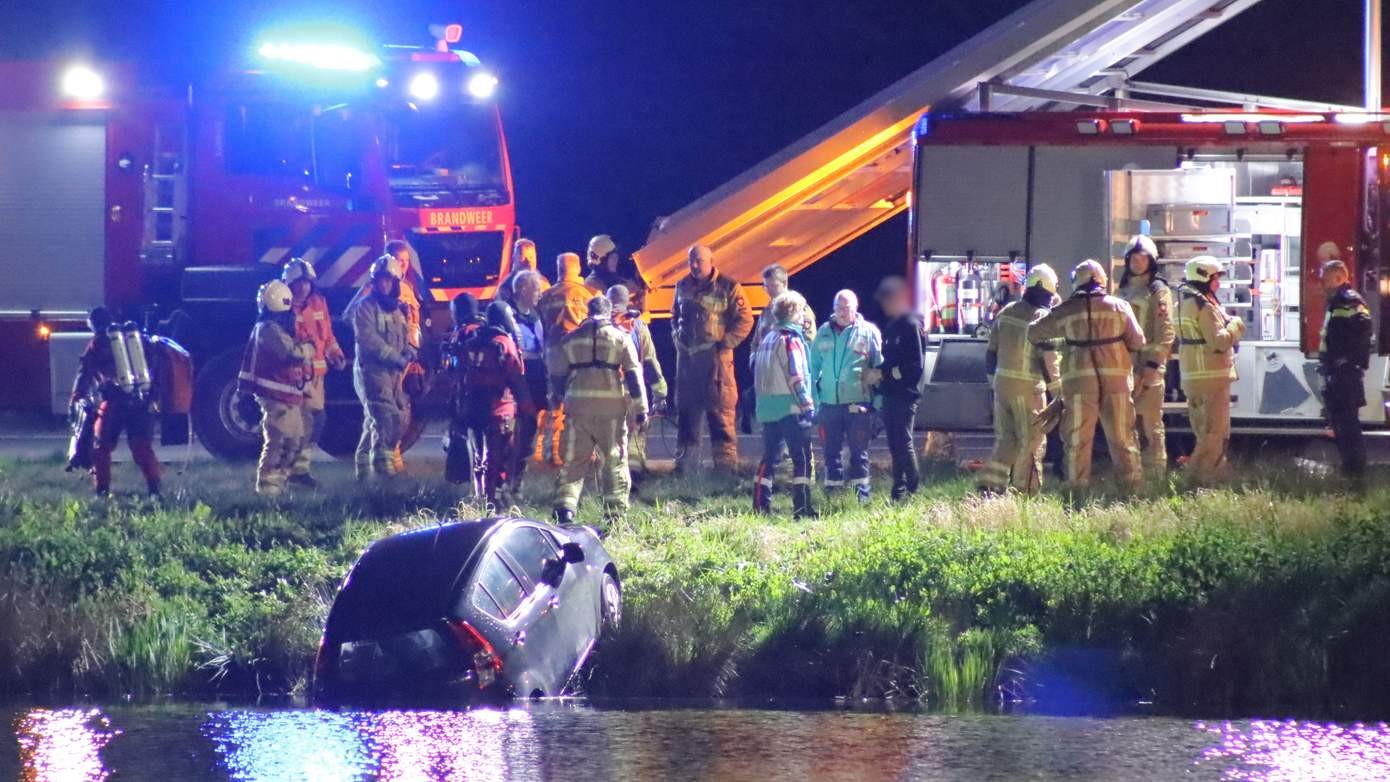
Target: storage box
<point>1179,220</point>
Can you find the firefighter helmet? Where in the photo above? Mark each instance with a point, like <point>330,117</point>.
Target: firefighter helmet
<point>275,297</point>
<point>387,265</point>
<point>1088,273</point>
<point>1041,276</point>
<point>1202,269</point>
<point>298,269</point>
<point>1142,244</point>
<point>600,246</point>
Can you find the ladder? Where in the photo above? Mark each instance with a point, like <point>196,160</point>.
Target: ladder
<point>165,198</point>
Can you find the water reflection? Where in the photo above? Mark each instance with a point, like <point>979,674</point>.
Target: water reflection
<point>62,745</point>
<point>320,746</point>
<point>1268,751</point>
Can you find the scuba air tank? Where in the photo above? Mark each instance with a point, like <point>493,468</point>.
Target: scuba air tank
<point>125,376</point>
<point>135,355</point>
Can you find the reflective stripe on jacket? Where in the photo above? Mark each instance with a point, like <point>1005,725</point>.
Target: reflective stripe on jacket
<point>709,313</point>
<point>1152,303</point>
<point>272,366</point>
<point>782,375</point>
<point>589,368</point>
<point>563,307</point>
<point>1020,366</point>
<point>1097,332</point>
<point>1346,333</point>
<point>1206,339</point>
<point>382,334</point>
<point>314,325</point>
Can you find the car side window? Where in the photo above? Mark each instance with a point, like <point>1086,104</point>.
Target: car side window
<point>529,548</point>
<point>500,585</point>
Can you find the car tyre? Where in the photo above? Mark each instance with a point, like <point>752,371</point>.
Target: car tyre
<point>610,606</point>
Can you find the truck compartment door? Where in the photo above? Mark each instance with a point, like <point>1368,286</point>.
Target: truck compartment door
<point>1333,212</point>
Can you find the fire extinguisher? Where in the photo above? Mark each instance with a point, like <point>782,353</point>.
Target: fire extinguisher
<point>970,299</point>
<point>944,289</point>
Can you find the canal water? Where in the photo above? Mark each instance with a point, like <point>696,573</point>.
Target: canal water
<point>572,740</point>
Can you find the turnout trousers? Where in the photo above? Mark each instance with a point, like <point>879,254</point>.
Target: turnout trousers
<point>1113,411</point>
<point>282,427</point>
<point>586,436</point>
<point>1209,411</point>
<point>1019,443</point>
<point>1148,422</point>
<point>313,412</point>
<point>705,391</point>
<point>383,422</point>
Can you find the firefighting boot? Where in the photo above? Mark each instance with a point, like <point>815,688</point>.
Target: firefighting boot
<point>564,517</point>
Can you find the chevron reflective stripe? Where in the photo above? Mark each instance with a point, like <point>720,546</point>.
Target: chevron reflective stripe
<point>275,256</point>
<point>345,263</point>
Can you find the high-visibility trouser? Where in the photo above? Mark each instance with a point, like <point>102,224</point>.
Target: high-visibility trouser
<point>1019,443</point>
<point>313,412</point>
<point>383,423</point>
<point>1209,411</point>
<point>1148,422</point>
<point>282,426</point>
<point>586,436</point>
<point>1114,411</point>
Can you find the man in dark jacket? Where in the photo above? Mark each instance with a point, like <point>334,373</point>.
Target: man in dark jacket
<point>1344,357</point>
<point>902,373</point>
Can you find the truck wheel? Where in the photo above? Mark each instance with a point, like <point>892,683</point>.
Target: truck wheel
<point>342,428</point>
<point>229,430</point>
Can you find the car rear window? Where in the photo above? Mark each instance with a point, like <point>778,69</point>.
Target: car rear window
<point>400,656</point>
<point>529,548</point>
<point>500,584</point>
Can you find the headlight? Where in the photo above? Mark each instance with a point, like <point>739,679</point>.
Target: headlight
<point>482,85</point>
<point>424,86</point>
<point>83,83</point>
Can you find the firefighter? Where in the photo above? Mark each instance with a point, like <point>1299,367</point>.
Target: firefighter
<point>275,368</point>
<point>845,359</point>
<point>463,454</point>
<point>653,380</point>
<point>1099,332</point>
<point>399,250</point>
<point>785,406</point>
<point>591,368</point>
<point>562,308</point>
<point>1343,358</point>
<point>607,268</point>
<point>1023,376</point>
<point>119,409</point>
<point>523,260</point>
<point>904,349</point>
<point>495,392</point>
<point>1207,341</point>
<point>313,325</point>
<point>1148,294</point>
<point>710,317</point>
<point>528,287</point>
<point>381,328</point>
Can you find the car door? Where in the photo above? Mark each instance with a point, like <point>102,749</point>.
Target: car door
<point>498,601</point>
<point>556,644</point>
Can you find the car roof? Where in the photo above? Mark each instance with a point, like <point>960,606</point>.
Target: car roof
<point>408,580</point>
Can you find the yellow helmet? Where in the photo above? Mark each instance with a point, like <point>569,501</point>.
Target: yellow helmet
<point>1042,276</point>
<point>1088,272</point>
<point>1202,269</point>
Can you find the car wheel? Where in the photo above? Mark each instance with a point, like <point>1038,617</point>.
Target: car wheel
<point>611,604</point>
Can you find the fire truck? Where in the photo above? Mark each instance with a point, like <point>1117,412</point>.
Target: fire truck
<point>172,204</point>
<point>1273,194</point>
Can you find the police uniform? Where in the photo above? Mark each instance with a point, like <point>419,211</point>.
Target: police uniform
<point>1023,376</point>
<point>591,368</point>
<point>1152,301</point>
<point>1344,356</point>
<point>382,331</point>
<point>709,318</point>
<point>1206,359</point>
<point>1097,334</point>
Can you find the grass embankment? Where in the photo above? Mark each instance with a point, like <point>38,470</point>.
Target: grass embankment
<point>1269,598</point>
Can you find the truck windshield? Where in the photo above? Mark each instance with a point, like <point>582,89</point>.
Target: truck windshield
<point>445,156</point>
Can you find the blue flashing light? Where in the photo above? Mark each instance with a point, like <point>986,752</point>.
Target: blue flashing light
<point>482,85</point>
<point>327,57</point>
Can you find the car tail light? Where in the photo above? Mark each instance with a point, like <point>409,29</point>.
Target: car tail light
<point>486,663</point>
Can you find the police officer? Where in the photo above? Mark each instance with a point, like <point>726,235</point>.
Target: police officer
<point>381,328</point>
<point>275,369</point>
<point>631,323</point>
<point>495,392</point>
<point>313,324</point>
<point>710,317</point>
<point>1344,356</point>
<point>1207,341</point>
<point>119,409</point>
<point>845,359</point>
<point>1147,293</point>
<point>1098,332</point>
<point>591,369</point>
<point>563,308</point>
<point>1023,375</point>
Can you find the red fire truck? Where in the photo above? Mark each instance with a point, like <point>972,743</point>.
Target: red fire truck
<point>1273,194</point>
<point>171,205</point>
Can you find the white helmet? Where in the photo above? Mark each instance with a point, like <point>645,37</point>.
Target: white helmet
<point>1202,269</point>
<point>298,269</point>
<point>275,297</point>
<point>1041,276</point>
<point>1088,272</point>
<point>388,265</point>
<point>1142,244</point>
<point>600,246</point>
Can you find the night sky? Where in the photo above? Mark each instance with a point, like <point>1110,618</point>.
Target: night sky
<point>619,111</point>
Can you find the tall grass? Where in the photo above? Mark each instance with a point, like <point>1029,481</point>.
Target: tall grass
<point>1264,597</point>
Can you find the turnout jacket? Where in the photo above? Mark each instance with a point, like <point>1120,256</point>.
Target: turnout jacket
<point>591,368</point>
<point>1206,340</point>
<point>382,331</point>
<point>314,325</point>
<point>1346,335</point>
<point>563,307</point>
<point>1097,334</point>
<point>1153,308</point>
<point>709,313</point>
<point>1021,367</point>
<point>632,323</point>
<point>273,366</point>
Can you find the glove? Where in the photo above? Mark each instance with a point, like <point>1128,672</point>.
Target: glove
<point>641,420</point>
<point>659,406</point>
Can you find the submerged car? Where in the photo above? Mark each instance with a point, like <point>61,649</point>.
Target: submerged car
<point>495,608</point>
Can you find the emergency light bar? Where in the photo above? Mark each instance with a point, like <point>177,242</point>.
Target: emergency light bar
<point>327,57</point>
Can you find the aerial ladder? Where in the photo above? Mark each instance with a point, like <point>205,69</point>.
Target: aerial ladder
<point>855,172</point>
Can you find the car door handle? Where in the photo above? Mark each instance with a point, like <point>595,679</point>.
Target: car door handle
<point>554,601</point>
<point>519,639</point>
